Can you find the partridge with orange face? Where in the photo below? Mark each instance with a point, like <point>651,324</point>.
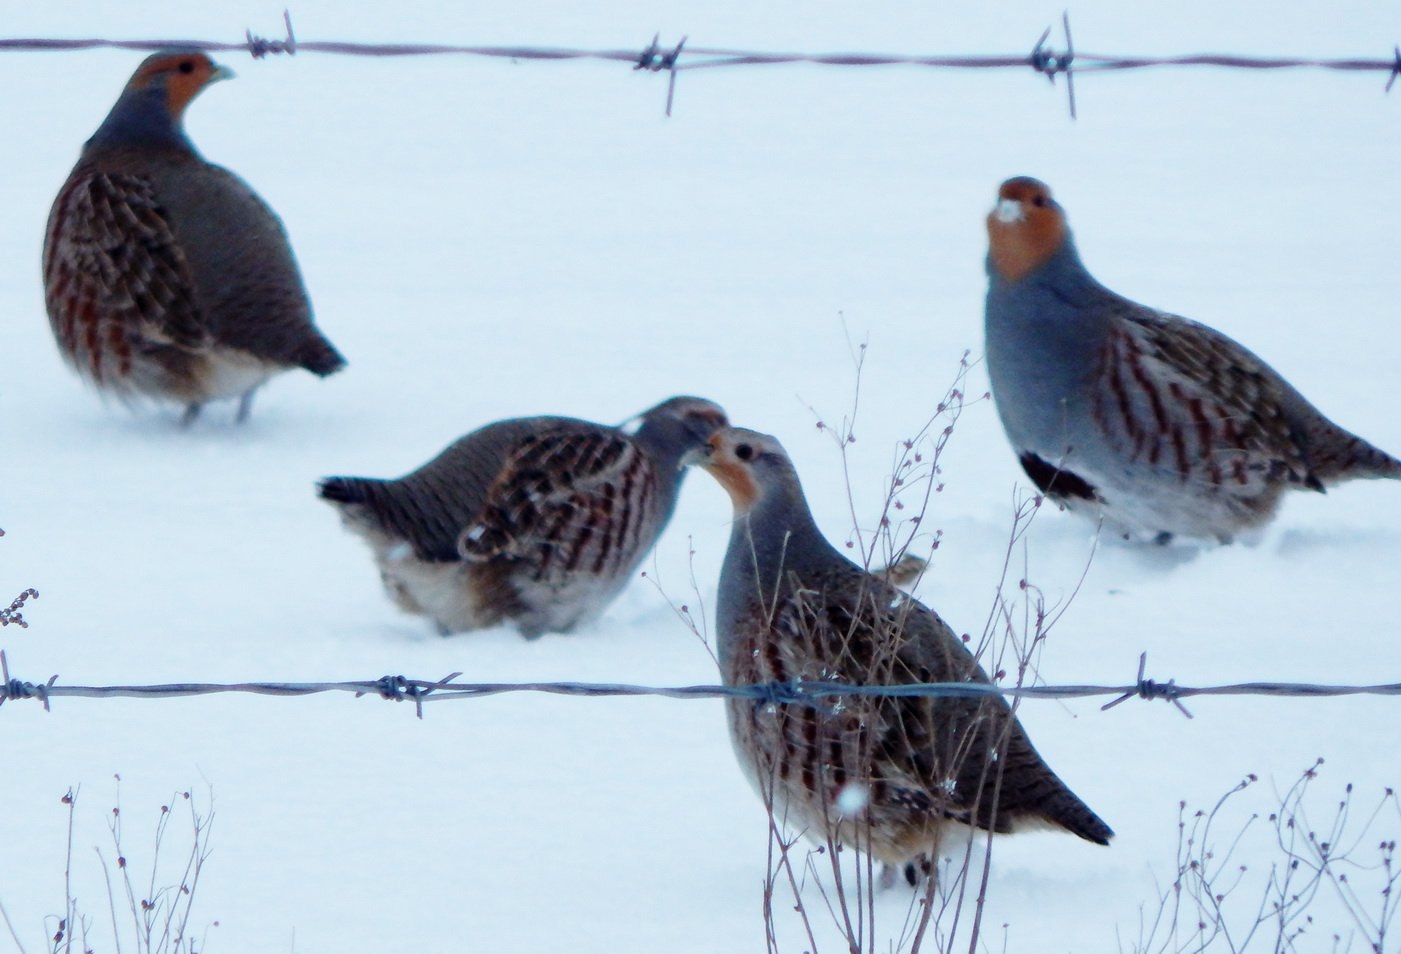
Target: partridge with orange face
<point>881,774</point>
<point>1153,423</point>
<point>167,277</point>
<point>538,522</point>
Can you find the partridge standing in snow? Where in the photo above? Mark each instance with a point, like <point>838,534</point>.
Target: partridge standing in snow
<point>165,276</point>
<point>1154,423</point>
<point>536,521</point>
<point>882,774</point>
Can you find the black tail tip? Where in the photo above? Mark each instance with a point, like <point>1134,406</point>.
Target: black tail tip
<point>323,361</point>
<point>324,369</point>
<point>345,490</point>
<point>1099,833</point>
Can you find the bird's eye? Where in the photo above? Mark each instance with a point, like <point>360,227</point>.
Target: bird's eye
<point>1039,201</point>
<point>187,66</point>
<point>744,452</point>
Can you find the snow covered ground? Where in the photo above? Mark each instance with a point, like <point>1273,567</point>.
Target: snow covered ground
<point>487,239</point>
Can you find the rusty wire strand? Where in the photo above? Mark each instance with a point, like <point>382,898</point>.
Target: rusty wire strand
<point>400,688</point>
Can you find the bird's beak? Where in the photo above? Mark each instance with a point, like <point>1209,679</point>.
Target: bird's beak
<point>221,72</point>
<point>697,455</point>
<point>1008,211</point>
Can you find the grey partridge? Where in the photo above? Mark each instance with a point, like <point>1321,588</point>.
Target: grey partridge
<point>165,276</point>
<point>1153,423</point>
<point>882,774</point>
<point>538,522</point>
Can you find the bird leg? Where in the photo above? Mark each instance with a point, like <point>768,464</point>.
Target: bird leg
<point>888,874</point>
<point>245,404</point>
<point>191,413</point>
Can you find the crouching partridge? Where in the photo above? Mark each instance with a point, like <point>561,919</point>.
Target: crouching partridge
<point>538,522</point>
<point>1153,423</point>
<point>885,775</point>
<point>165,276</point>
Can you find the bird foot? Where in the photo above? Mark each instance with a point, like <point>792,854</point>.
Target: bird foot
<point>918,870</point>
<point>191,414</point>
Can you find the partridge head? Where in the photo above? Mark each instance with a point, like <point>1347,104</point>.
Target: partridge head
<point>1151,423</point>
<point>165,276</point>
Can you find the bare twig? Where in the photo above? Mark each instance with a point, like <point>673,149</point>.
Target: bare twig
<point>9,925</point>
<point>1216,902</point>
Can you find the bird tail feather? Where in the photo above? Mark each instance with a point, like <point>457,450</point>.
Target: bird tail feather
<point>1346,457</point>
<point>1067,811</point>
<point>345,490</point>
<point>321,358</point>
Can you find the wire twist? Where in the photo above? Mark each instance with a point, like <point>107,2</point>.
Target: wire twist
<point>1050,63</point>
<point>258,47</point>
<point>654,60</point>
<point>1149,690</point>
<point>399,688</point>
<point>15,689</point>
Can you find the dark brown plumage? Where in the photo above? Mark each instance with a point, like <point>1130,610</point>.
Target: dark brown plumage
<point>882,774</point>
<point>165,276</point>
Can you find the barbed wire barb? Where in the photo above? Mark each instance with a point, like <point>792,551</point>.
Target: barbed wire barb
<point>1147,689</point>
<point>654,60</point>
<point>14,689</point>
<point>1395,69</point>
<point>1069,60</point>
<point>1049,63</point>
<point>258,47</point>
<point>399,688</point>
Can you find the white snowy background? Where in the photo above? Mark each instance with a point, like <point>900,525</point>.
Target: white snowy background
<point>488,239</point>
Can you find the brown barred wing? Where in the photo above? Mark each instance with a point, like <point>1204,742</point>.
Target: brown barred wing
<point>116,284</point>
<point>571,502</point>
<point>913,760</point>
<point>890,754</point>
<point>984,763</point>
<point>1185,399</point>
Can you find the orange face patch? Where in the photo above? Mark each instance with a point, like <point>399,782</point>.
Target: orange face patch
<point>733,474</point>
<point>183,74</point>
<point>1025,228</point>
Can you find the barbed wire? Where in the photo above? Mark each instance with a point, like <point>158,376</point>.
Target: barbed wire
<point>795,692</point>
<point>656,57</point>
